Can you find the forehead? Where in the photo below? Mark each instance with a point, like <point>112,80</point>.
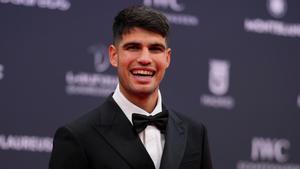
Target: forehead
<point>139,35</point>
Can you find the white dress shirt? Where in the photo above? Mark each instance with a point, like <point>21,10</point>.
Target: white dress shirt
<point>151,137</point>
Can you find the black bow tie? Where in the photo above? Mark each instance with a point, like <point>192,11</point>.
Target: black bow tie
<point>159,120</point>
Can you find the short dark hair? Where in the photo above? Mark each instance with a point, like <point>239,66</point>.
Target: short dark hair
<point>141,17</point>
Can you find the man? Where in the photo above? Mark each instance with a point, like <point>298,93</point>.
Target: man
<point>132,129</point>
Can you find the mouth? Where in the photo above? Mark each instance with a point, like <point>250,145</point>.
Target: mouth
<point>143,73</point>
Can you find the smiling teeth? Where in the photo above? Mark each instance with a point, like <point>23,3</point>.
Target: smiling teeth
<point>142,72</point>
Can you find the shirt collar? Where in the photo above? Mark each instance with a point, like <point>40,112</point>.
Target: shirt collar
<point>129,108</point>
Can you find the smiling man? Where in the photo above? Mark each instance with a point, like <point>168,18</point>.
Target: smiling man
<point>141,58</point>
<point>133,129</point>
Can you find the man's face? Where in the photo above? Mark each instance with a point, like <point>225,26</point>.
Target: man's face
<point>141,58</point>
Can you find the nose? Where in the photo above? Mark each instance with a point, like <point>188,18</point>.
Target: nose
<point>144,58</point>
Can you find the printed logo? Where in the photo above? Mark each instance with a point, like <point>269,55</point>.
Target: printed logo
<point>1,72</point>
<point>101,60</point>
<point>277,9</point>
<point>219,77</point>
<point>269,153</point>
<point>218,83</point>
<point>179,18</point>
<point>270,149</point>
<point>98,83</point>
<point>26,143</point>
<point>62,5</point>
<point>173,4</point>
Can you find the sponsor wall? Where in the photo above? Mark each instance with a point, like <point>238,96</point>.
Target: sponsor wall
<point>235,67</point>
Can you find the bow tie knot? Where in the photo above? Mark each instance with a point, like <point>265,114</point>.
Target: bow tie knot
<point>140,122</point>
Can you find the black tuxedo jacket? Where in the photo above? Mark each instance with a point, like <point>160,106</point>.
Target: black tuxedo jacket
<point>105,139</point>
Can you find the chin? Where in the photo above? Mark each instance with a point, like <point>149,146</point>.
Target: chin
<point>144,91</point>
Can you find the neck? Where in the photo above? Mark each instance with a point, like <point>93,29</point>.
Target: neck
<point>146,102</point>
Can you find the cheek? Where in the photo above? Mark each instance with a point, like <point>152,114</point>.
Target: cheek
<point>125,59</point>
<point>163,63</point>
<point>123,68</point>
<point>122,62</point>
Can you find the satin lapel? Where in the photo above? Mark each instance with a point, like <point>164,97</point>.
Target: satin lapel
<point>175,142</point>
<point>117,130</point>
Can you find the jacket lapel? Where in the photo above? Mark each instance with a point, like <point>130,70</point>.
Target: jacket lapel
<point>118,131</point>
<point>175,142</point>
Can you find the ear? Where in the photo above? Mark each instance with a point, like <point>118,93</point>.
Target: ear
<point>168,55</point>
<point>113,55</point>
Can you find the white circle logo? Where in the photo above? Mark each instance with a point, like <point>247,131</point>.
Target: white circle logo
<point>277,8</point>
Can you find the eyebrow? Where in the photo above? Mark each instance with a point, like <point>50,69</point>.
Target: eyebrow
<point>131,44</point>
<point>158,45</point>
<point>138,43</point>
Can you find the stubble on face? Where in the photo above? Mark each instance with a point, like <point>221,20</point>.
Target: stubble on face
<point>141,58</point>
